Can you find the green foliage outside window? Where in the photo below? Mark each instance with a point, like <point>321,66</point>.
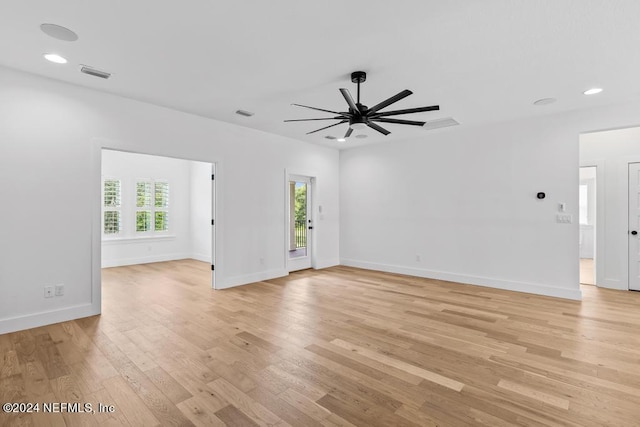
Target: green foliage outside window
<point>143,221</point>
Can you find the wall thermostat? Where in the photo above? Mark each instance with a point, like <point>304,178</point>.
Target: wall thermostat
<point>541,195</point>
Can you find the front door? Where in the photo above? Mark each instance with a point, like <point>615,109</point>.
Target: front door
<point>300,223</point>
<point>634,226</point>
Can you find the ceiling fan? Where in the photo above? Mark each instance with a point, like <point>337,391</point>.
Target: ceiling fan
<point>360,116</point>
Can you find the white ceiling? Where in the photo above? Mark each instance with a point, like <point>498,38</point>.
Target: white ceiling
<point>481,61</point>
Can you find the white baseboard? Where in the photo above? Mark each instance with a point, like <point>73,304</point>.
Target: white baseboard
<point>29,321</point>
<point>252,278</point>
<point>612,284</point>
<point>201,257</point>
<point>326,263</point>
<point>143,260</point>
<point>532,288</point>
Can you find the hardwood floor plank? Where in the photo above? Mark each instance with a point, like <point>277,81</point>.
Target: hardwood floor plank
<point>252,409</point>
<point>232,416</point>
<point>129,403</point>
<point>201,412</point>
<point>411,369</point>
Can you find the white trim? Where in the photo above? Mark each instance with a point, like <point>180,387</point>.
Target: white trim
<point>532,288</point>
<point>139,239</point>
<point>201,257</point>
<point>326,263</point>
<point>599,268</point>
<point>144,260</point>
<point>311,179</point>
<point>232,282</point>
<point>96,228</point>
<point>19,323</point>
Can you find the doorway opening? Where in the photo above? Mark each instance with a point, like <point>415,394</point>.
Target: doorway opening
<point>300,222</point>
<point>587,220</point>
<point>156,209</point>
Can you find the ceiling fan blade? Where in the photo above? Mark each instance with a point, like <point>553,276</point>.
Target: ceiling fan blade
<point>349,132</point>
<point>407,111</point>
<point>327,127</point>
<point>349,99</point>
<point>320,109</point>
<point>325,118</point>
<point>378,128</point>
<point>399,122</point>
<point>387,102</point>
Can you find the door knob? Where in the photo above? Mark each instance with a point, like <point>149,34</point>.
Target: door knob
<point>634,232</point>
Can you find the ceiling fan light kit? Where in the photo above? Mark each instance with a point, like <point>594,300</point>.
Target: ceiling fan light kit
<point>360,116</point>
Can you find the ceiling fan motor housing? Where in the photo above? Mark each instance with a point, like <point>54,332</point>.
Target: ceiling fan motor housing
<point>358,77</point>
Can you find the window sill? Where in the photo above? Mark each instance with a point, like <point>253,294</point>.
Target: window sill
<point>138,239</point>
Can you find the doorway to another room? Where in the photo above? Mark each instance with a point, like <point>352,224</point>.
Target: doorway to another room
<point>300,223</point>
<point>157,209</point>
<point>587,221</point>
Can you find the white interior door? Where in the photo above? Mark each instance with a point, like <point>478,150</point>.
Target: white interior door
<point>634,226</point>
<point>300,224</point>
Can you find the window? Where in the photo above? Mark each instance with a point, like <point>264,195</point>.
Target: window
<point>152,206</point>
<point>162,206</point>
<point>143,205</point>
<point>133,208</point>
<point>111,207</point>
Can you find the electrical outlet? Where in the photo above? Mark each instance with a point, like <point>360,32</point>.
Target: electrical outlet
<point>59,290</point>
<point>418,258</point>
<point>261,261</point>
<point>48,291</point>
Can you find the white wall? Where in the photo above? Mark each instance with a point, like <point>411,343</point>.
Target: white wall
<point>611,152</point>
<point>50,138</point>
<point>463,199</point>
<point>128,247</point>
<point>200,219</point>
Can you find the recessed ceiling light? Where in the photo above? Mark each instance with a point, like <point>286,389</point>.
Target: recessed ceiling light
<point>55,58</point>
<point>341,140</point>
<point>592,91</point>
<point>59,32</point>
<point>545,101</point>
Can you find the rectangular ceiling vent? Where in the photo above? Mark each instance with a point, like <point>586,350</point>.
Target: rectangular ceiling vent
<point>94,72</point>
<point>244,113</point>
<point>440,123</point>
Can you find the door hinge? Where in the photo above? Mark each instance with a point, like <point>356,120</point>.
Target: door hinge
<point>213,222</point>
<point>213,267</point>
<point>213,176</point>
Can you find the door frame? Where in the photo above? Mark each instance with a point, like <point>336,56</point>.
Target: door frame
<point>290,174</point>
<point>629,228</point>
<point>598,212</point>
<point>99,144</point>
<point>598,262</point>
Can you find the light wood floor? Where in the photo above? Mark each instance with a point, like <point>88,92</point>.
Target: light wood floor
<point>586,271</point>
<point>336,347</point>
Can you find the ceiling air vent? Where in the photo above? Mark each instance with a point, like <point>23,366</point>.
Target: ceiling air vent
<point>94,72</point>
<point>440,123</point>
<point>330,137</point>
<point>244,113</point>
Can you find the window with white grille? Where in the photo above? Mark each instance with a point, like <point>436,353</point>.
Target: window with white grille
<point>152,206</point>
<point>161,206</point>
<point>111,207</point>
